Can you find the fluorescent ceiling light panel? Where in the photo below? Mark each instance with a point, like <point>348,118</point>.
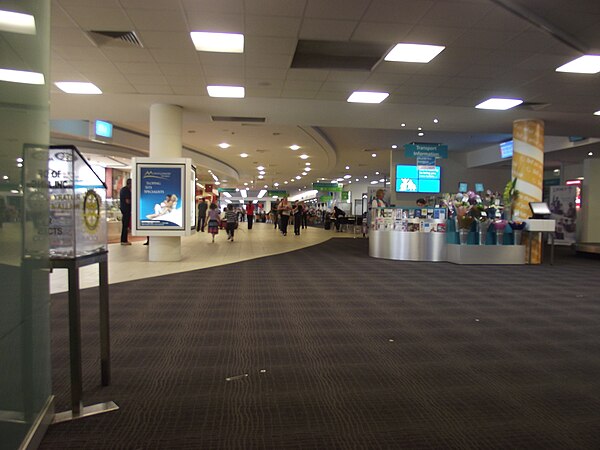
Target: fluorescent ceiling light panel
<point>244,193</point>
<point>76,87</point>
<point>597,113</point>
<point>227,194</point>
<point>226,91</point>
<point>500,103</point>
<point>218,42</point>
<point>583,64</point>
<point>21,76</point>
<point>294,147</point>
<point>224,145</point>
<point>14,22</point>
<point>417,53</point>
<point>367,97</point>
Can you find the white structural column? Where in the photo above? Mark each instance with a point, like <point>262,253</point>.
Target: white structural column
<point>590,199</point>
<point>165,142</point>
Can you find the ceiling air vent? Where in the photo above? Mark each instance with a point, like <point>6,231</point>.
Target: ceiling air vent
<point>115,38</point>
<point>312,54</point>
<point>238,119</point>
<point>533,106</point>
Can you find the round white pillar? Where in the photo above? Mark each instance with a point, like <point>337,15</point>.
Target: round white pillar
<point>165,142</point>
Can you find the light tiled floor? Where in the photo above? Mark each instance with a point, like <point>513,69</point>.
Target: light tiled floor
<point>127,263</point>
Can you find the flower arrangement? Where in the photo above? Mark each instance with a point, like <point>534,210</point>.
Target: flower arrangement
<point>465,222</point>
<point>500,225</point>
<point>517,225</point>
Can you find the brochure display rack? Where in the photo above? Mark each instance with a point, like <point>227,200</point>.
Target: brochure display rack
<point>412,234</point>
<point>78,237</point>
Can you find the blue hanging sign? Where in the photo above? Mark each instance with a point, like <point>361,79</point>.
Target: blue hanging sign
<point>416,149</point>
<point>426,161</point>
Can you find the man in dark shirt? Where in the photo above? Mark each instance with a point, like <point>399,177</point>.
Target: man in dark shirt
<point>202,207</point>
<point>125,205</point>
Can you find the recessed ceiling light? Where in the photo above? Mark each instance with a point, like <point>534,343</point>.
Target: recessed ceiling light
<point>499,103</point>
<point>307,169</point>
<point>394,146</point>
<point>224,145</point>
<point>5,177</point>
<point>226,91</point>
<point>218,42</point>
<point>597,113</point>
<point>583,64</point>
<point>294,147</point>
<point>418,53</point>
<point>298,177</point>
<point>356,179</point>
<point>421,134</point>
<point>260,177</point>
<point>262,172</point>
<point>435,121</point>
<point>374,182</point>
<point>347,167</point>
<point>76,87</point>
<point>376,173</point>
<point>304,173</point>
<point>367,97</point>
<point>19,159</point>
<point>275,184</point>
<point>244,155</point>
<point>217,182</point>
<point>591,154</point>
<point>19,164</point>
<point>260,168</point>
<point>420,128</point>
<point>21,76</point>
<point>307,163</point>
<point>285,182</point>
<point>382,180</point>
<point>365,177</point>
<point>347,176</point>
<point>374,155</point>
<point>304,156</point>
<point>245,184</point>
<point>14,22</point>
<point>402,124</point>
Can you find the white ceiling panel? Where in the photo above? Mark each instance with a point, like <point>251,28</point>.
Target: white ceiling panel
<point>166,20</point>
<point>127,54</point>
<point>71,37</point>
<point>272,26</point>
<point>258,44</point>
<point>381,32</point>
<point>456,14</point>
<point>134,68</point>
<point>276,61</point>
<point>483,39</point>
<point>174,55</point>
<point>116,88</point>
<point>105,18</point>
<point>149,79</point>
<point>58,17</point>
<point>307,74</point>
<point>290,8</point>
<point>219,23</point>
<point>436,35</point>
<point>149,4</point>
<point>86,3</point>
<point>154,89</point>
<point>400,11</point>
<point>336,9</point>
<point>212,6</point>
<point>266,73</point>
<point>189,90</point>
<point>165,39</point>
<point>186,80</point>
<point>70,53</point>
<point>302,85</point>
<point>339,86</point>
<point>263,92</point>
<point>323,29</point>
<point>181,69</point>
<point>500,19</point>
<point>356,76</point>
<point>208,59</point>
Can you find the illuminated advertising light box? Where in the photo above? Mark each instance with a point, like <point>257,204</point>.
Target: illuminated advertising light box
<point>416,179</point>
<point>162,197</point>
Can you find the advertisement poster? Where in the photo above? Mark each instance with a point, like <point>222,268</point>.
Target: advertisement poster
<point>161,198</point>
<point>562,206</point>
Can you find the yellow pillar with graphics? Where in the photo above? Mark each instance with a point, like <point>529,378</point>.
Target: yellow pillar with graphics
<point>528,169</point>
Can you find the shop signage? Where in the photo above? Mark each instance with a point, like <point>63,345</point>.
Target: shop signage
<point>427,161</point>
<point>276,193</point>
<point>230,190</point>
<point>325,198</point>
<point>416,149</point>
<point>325,186</point>
<point>345,196</point>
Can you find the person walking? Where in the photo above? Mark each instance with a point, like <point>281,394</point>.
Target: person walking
<point>275,215</point>
<point>231,218</point>
<point>297,211</point>
<point>125,206</point>
<point>284,208</point>
<point>250,214</point>
<point>202,208</point>
<point>304,216</point>
<point>214,217</point>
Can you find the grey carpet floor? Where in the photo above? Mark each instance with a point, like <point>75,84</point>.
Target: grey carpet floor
<point>327,348</point>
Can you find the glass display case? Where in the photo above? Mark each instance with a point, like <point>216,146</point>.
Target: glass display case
<point>77,223</point>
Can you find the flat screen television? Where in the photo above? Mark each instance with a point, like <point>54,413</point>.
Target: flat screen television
<point>463,187</point>
<point>417,179</point>
<point>478,187</point>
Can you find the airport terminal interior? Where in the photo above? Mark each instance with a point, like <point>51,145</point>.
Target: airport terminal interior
<point>404,246</point>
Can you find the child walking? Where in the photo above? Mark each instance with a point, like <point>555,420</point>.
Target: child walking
<point>232,220</point>
<point>213,220</point>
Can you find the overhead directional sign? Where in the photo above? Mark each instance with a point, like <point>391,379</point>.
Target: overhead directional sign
<point>276,193</point>
<point>416,149</point>
<point>325,186</point>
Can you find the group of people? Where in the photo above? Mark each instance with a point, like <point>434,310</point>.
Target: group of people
<point>284,210</point>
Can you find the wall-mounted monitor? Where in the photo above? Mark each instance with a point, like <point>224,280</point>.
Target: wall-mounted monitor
<point>478,187</point>
<point>417,179</point>
<point>506,149</point>
<point>540,210</point>
<point>463,187</point>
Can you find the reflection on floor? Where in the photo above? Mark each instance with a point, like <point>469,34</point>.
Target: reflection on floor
<point>127,263</point>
